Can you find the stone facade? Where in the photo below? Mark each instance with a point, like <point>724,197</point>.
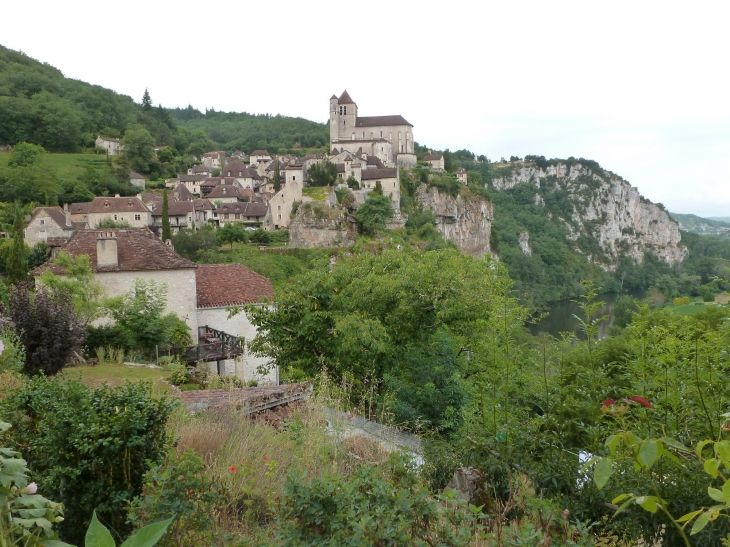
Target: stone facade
<point>130,210</point>
<point>390,138</point>
<point>112,146</point>
<point>48,222</point>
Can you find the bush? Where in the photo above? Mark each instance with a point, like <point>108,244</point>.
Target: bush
<point>49,328</point>
<point>681,301</point>
<point>90,447</point>
<point>179,488</point>
<point>178,374</point>
<point>368,509</point>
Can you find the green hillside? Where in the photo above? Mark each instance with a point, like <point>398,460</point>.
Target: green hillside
<point>702,226</point>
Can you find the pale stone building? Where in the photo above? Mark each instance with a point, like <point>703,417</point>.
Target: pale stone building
<point>435,161</point>
<point>390,138</point>
<point>214,160</point>
<point>112,146</point>
<point>461,175</point>
<point>50,222</point>
<point>135,179</point>
<point>281,203</point>
<point>128,209</point>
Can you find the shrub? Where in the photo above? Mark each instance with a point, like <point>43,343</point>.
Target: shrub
<point>49,328</point>
<point>179,488</point>
<point>681,301</point>
<point>178,374</point>
<point>367,509</point>
<point>90,447</point>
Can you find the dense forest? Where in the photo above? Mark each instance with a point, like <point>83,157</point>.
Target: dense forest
<point>39,105</point>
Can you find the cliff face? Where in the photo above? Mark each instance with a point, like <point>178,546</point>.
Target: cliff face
<point>319,226</point>
<point>466,222</point>
<point>604,207</point>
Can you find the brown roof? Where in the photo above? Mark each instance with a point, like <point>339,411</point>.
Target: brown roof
<point>56,213</point>
<point>386,173</point>
<point>246,208</point>
<point>373,121</point>
<point>260,153</point>
<point>220,154</point>
<point>107,139</point>
<point>134,175</point>
<point>150,197</point>
<point>461,171</point>
<point>181,193</point>
<point>345,98</point>
<point>175,209</point>
<point>79,208</point>
<point>227,191</point>
<point>221,285</point>
<point>375,160</point>
<point>203,205</point>
<point>236,167</point>
<point>191,178</point>
<point>432,157</point>
<point>138,250</point>
<point>117,205</point>
<point>200,169</point>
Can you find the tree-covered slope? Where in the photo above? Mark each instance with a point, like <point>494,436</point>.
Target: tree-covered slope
<point>703,226</point>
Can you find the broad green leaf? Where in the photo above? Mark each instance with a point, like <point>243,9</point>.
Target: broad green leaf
<point>673,443</point>
<point>715,494</point>
<point>620,498</point>
<point>4,426</point>
<point>649,504</point>
<point>612,443</point>
<point>726,492</point>
<point>701,522</point>
<point>689,516</point>
<point>603,471</point>
<point>624,505</point>
<point>649,452</point>
<point>589,463</point>
<point>700,446</point>
<point>711,467</point>
<point>149,535</point>
<point>97,535</point>
<point>55,543</point>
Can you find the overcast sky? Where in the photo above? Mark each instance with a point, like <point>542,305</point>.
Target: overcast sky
<point>642,87</point>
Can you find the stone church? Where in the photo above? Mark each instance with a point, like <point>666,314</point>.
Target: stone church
<point>389,138</point>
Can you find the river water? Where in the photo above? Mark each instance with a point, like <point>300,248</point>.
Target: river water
<point>562,317</point>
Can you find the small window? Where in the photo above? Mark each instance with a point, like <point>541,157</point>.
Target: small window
<point>42,222</point>
<point>363,134</point>
<point>115,217</point>
<point>294,177</point>
<point>279,207</point>
<point>137,217</point>
<point>279,217</point>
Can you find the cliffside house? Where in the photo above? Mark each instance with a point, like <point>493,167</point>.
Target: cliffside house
<point>197,294</point>
<point>50,222</point>
<point>220,286</point>
<point>461,175</point>
<point>435,161</point>
<point>214,160</point>
<point>390,138</point>
<point>112,146</point>
<point>118,209</point>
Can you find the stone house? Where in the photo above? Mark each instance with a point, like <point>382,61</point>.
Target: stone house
<point>191,182</point>
<point>50,222</point>
<point>121,255</point>
<point>388,179</point>
<point>229,193</point>
<point>259,155</point>
<point>135,179</point>
<point>435,161</point>
<point>281,203</point>
<point>112,146</point>
<point>219,286</point>
<point>181,214</point>
<point>204,209</point>
<point>388,137</point>
<point>128,209</point>
<point>80,212</point>
<point>252,213</point>
<point>244,175</point>
<point>200,170</point>
<point>461,175</point>
<point>239,156</point>
<point>214,160</point>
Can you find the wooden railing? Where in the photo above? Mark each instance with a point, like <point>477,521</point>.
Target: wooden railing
<point>213,345</point>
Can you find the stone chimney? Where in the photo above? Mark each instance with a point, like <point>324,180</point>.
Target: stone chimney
<point>106,250</point>
<point>68,214</point>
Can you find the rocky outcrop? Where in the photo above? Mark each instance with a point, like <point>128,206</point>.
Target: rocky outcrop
<point>317,225</point>
<point>524,241</point>
<point>466,222</point>
<point>606,208</point>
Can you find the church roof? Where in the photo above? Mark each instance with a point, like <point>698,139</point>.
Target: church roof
<point>385,173</point>
<point>345,98</point>
<point>333,97</point>
<point>374,121</point>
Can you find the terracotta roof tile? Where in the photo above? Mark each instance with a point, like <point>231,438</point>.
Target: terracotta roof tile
<point>116,205</point>
<point>386,173</point>
<point>138,250</point>
<point>221,285</point>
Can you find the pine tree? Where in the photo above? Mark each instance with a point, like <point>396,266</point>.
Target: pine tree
<point>166,232</point>
<point>146,100</point>
<point>17,260</point>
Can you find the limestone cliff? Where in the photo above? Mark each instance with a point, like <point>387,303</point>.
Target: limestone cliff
<point>602,206</point>
<point>466,222</point>
<point>317,225</point>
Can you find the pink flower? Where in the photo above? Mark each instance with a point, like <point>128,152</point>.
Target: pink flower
<point>32,488</point>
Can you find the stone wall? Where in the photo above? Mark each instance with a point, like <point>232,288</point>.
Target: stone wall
<point>466,222</point>
<point>317,225</point>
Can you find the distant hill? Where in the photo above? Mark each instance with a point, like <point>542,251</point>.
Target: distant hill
<point>38,104</point>
<point>703,226</point>
<point>721,219</point>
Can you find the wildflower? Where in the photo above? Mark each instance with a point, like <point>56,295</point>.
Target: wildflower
<point>608,402</point>
<point>233,469</point>
<point>641,401</point>
<point>266,458</point>
<point>32,488</point>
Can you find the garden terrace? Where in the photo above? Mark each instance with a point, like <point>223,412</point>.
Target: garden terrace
<point>250,400</point>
